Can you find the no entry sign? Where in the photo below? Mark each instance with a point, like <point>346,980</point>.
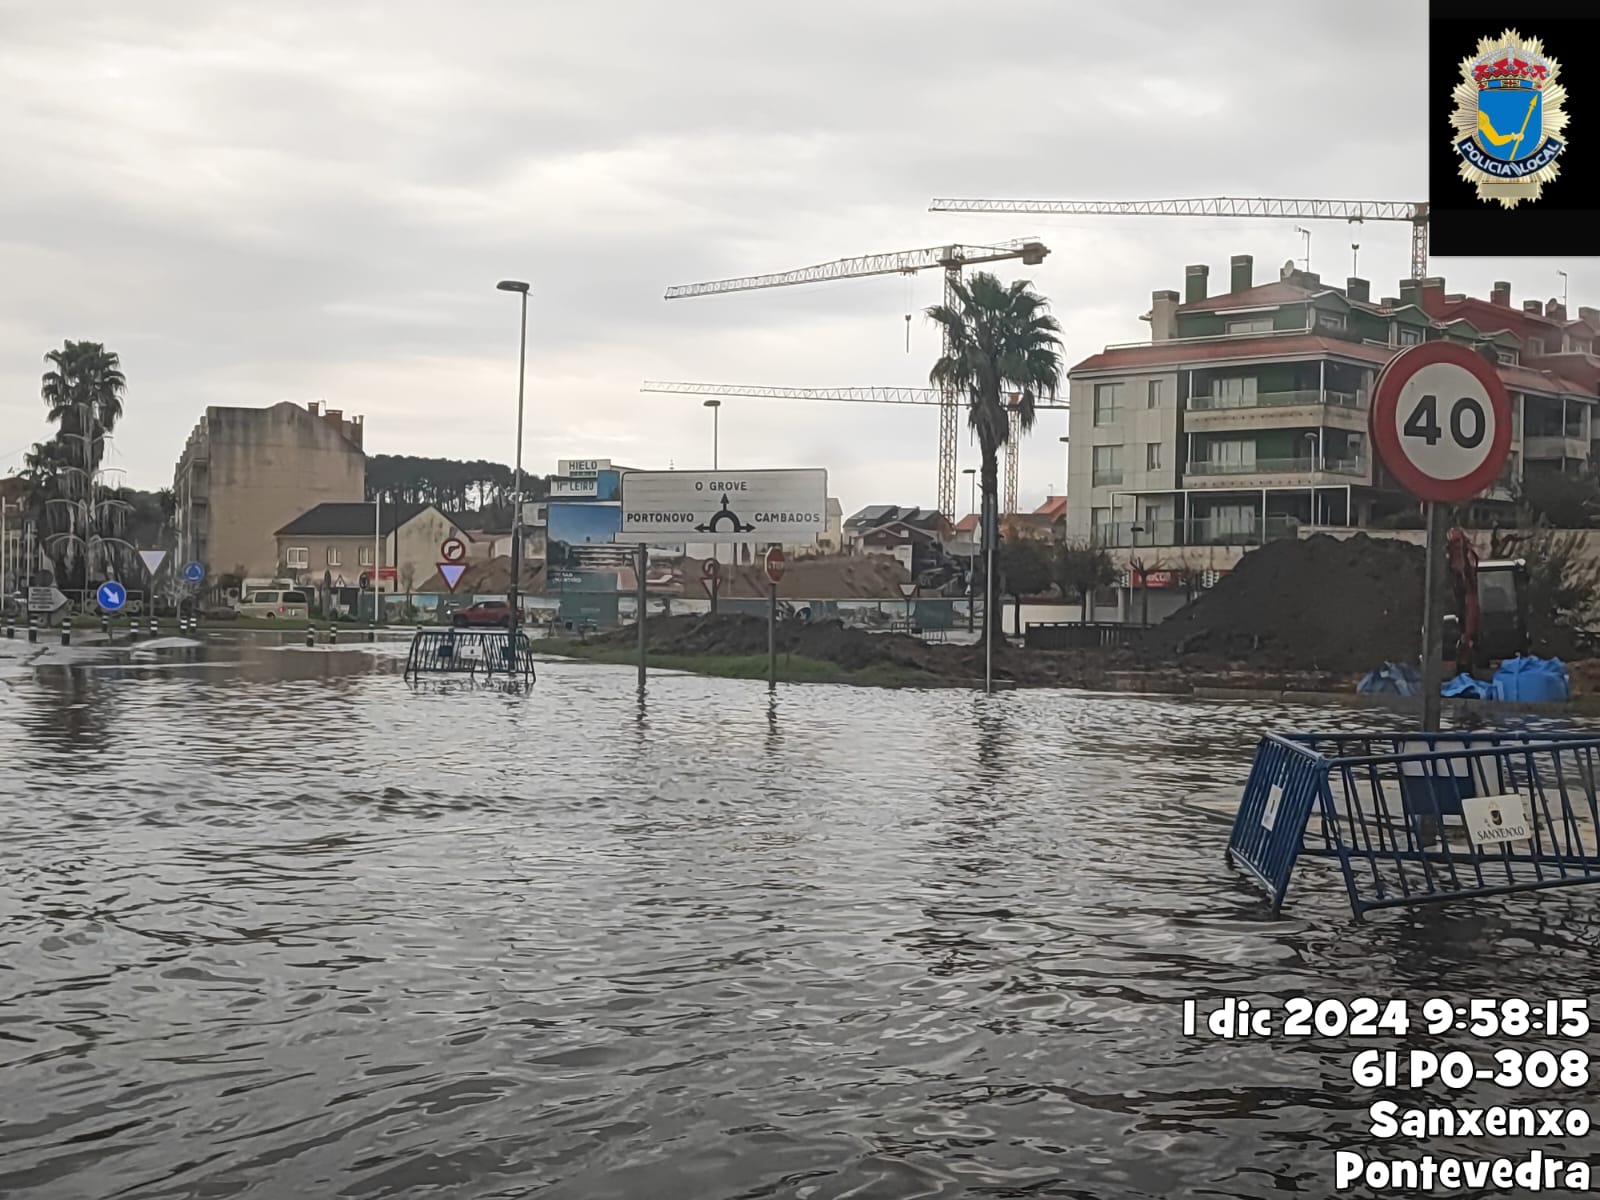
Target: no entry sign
<point>1441,421</point>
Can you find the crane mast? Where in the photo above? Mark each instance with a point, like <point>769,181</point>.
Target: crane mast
<point>1354,211</point>
<point>849,395</point>
<point>950,259</point>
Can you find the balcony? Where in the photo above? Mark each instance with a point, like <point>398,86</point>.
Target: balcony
<point>1278,472</point>
<point>1107,477</point>
<point>1538,448</point>
<point>1197,531</point>
<point>1269,410</point>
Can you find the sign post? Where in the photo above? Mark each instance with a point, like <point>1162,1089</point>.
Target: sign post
<point>1441,423</point>
<point>711,574</point>
<point>641,567</point>
<point>775,568</point>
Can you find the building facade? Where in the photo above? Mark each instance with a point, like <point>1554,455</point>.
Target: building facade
<point>247,472</point>
<point>395,546</point>
<point>1245,416</point>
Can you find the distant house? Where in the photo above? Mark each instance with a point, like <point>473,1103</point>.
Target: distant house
<point>929,524</point>
<point>336,544</point>
<point>1046,523</point>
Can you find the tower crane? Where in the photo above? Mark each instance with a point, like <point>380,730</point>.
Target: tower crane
<point>1353,211</point>
<point>950,259</point>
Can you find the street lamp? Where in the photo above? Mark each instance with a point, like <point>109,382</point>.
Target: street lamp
<point>1563,275</point>
<point>512,592</point>
<point>713,405</point>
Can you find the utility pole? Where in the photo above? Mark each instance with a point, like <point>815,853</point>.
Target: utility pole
<point>513,590</point>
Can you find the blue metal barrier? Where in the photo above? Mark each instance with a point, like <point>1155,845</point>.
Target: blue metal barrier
<point>1422,818</point>
<point>470,652</point>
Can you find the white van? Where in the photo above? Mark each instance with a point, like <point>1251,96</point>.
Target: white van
<point>287,605</point>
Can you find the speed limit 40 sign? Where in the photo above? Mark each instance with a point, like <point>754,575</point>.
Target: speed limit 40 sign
<point>1441,421</point>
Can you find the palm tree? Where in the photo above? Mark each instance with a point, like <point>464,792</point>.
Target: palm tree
<point>999,341</point>
<point>83,390</point>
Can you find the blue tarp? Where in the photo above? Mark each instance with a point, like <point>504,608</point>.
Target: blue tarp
<point>1391,679</point>
<point>1466,686</point>
<point>1533,681</point>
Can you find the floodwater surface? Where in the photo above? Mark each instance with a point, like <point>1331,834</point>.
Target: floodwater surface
<point>275,924</point>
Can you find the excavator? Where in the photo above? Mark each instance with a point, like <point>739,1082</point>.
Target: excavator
<point>1490,622</point>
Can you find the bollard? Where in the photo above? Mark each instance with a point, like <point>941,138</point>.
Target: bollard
<point>311,636</point>
<point>133,629</point>
<point>11,628</point>
<point>105,625</point>
<point>155,629</point>
<point>333,633</point>
<point>33,630</point>
<point>66,631</point>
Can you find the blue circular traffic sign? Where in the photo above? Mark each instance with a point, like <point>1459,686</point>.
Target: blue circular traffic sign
<point>194,572</point>
<point>111,596</point>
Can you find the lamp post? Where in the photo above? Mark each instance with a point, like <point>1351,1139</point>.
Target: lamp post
<point>715,406</point>
<point>1563,275</point>
<point>972,556</point>
<point>512,591</point>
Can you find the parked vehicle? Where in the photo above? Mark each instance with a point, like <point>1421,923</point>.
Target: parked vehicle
<point>275,605</point>
<point>491,613</point>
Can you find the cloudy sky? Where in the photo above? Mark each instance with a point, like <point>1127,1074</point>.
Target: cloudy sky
<point>300,200</point>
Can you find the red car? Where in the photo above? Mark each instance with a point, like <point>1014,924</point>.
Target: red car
<point>493,613</point>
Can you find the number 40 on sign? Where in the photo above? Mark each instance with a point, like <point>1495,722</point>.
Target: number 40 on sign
<point>1441,421</point>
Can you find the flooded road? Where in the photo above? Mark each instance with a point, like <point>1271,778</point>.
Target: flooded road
<point>274,924</point>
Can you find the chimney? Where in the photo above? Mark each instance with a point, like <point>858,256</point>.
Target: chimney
<point>1500,294</point>
<point>1391,301</point>
<point>312,406</point>
<point>1410,291</point>
<point>1194,283</point>
<point>1534,307</point>
<point>335,415</point>
<point>1241,273</point>
<point>1555,310</point>
<point>1163,316</point>
<point>1591,315</point>
<point>1358,289</point>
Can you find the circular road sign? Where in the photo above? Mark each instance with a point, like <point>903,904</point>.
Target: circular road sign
<point>452,550</point>
<point>194,572</point>
<point>775,564</point>
<point>111,596</point>
<point>710,568</point>
<point>1441,421</point>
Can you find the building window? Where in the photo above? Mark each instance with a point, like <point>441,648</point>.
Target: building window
<point>1152,394</point>
<point>1408,337</point>
<point>1235,453</point>
<point>334,557</point>
<point>1249,325</point>
<point>1100,526</point>
<point>1107,465</point>
<point>366,556</point>
<point>1508,358</point>
<point>1107,402</point>
<point>1327,320</point>
<point>1238,392</point>
<point>1152,456</point>
<point>1535,346</point>
<point>297,556</point>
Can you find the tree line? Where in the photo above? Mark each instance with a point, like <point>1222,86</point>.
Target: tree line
<point>455,486</point>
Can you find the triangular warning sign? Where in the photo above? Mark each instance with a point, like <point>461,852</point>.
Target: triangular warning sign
<point>452,573</point>
<point>152,559</point>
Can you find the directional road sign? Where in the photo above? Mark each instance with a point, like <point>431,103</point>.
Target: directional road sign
<point>152,559</point>
<point>194,572</point>
<point>1441,421</point>
<point>111,596</point>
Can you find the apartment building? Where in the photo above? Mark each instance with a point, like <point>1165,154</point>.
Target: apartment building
<point>246,472</point>
<point>1245,416</point>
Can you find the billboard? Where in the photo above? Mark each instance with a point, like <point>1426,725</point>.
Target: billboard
<point>582,466</point>
<point>582,535</point>
<point>785,507</point>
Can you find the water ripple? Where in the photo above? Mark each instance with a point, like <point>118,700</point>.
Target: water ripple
<point>272,923</point>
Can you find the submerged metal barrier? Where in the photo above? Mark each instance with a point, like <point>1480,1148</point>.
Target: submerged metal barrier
<point>470,652</point>
<point>1417,819</point>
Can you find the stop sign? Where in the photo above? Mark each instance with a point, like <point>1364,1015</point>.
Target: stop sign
<point>774,564</point>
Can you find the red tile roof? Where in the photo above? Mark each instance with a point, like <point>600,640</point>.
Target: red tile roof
<point>1200,352</point>
<point>1180,353</point>
<point>1053,506</point>
<point>967,524</point>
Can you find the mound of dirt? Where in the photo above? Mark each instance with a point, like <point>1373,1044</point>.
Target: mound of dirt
<point>489,576</point>
<point>1320,604</point>
<point>835,577</point>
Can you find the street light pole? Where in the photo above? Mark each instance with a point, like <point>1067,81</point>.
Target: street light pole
<point>716,408</point>
<point>972,557</point>
<point>513,590</point>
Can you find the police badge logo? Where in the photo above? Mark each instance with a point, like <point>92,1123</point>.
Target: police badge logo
<point>1508,113</point>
